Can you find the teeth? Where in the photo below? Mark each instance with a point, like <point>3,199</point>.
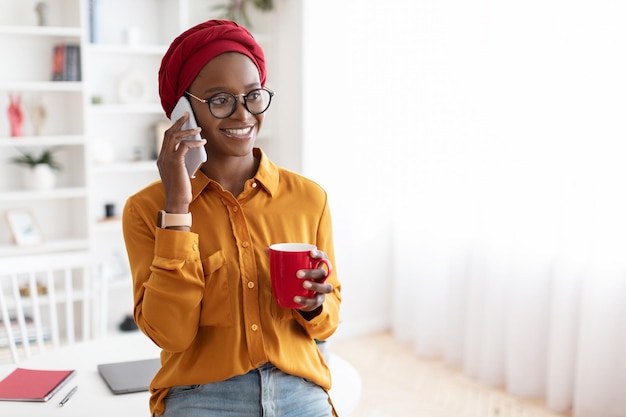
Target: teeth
<point>239,131</point>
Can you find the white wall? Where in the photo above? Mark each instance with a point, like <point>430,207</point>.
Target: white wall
<point>531,90</point>
<point>285,75</point>
<point>343,145</point>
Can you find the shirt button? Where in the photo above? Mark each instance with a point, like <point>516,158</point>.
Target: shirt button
<point>254,327</point>
<point>250,284</point>
<point>245,244</point>
<point>235,209</point>
<point>254,185</point>
<point>194,247</point>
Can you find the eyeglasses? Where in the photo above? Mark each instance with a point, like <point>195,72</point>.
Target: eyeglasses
<point>223,105</point>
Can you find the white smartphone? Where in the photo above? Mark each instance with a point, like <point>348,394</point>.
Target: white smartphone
<point>194,156</point>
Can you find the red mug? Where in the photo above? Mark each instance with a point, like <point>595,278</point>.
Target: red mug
<point>285,260</point>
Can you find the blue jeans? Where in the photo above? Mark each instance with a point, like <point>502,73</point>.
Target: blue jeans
<point>262,392</point>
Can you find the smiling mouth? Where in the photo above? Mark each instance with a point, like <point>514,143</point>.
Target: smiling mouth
<point>239,132</point>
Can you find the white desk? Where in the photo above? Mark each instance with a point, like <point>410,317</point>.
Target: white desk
<point>93,397</point>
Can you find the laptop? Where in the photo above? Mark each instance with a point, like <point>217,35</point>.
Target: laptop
<point>130,376</point>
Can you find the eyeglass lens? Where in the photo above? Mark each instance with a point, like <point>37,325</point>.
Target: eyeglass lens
<point>222,105</point>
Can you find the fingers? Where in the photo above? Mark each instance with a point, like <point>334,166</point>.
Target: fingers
<point>320,289</point>
<point>313,280</point>
<point>171,161</point>
<point>174,147</point>
<point>174,135</point>
<point>310,304</point>
<point>318,254</point>
<point>188,143</point>
<point>317,274</point>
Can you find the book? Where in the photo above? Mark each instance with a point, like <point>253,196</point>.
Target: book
<point>31,332</point>
<point>73,70</point>
<point>33,384</point>
<point>93,21</point>
<point>58,62</point>
<point>66,62</point>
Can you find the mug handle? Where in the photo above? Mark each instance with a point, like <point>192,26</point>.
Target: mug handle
<point>329,267</point>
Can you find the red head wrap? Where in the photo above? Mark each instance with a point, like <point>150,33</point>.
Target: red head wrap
<point>191,50</point>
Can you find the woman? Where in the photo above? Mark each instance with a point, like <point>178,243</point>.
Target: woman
<point>202,289</point>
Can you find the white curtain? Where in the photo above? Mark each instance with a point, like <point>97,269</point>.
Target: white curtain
<point>509,234</point>
<point>493,134</point>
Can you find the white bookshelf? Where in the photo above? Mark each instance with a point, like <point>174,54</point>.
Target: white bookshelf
<point>82,115</point>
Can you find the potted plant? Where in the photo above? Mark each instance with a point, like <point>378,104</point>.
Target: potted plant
<point>236,9</point>
<point>39,173</point>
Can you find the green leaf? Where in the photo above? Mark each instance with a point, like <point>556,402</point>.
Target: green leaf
<point>31,160</point>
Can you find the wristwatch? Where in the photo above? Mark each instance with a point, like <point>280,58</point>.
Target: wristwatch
<point>171,219</point>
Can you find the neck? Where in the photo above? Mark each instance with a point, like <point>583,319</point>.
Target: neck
<point>232,173</point>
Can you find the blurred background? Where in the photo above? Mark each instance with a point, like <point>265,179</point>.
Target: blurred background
<point>473,151</point>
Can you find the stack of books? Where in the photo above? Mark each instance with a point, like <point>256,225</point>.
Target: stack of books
<point>31,332</point>
<point>66,62</point>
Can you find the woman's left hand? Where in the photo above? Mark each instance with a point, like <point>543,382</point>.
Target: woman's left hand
<point>313,280</point>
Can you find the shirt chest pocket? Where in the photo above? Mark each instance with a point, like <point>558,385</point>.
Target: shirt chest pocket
<point>216,304</point>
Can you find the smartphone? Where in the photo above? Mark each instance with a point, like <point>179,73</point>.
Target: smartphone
<point>194,156</point>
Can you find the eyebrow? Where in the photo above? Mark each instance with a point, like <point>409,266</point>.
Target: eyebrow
<point>221,89</point>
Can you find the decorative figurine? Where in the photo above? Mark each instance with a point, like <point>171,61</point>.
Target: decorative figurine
<point>16,116</point>
<point>42,13</point>
<point>39,116</point>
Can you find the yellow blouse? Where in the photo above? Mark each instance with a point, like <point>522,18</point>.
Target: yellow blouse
<point>205,297</point>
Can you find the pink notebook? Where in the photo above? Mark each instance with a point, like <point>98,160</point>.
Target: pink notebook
<point>33,384</point>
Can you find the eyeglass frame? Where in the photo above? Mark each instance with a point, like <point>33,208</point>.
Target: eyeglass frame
<point>236,96</point>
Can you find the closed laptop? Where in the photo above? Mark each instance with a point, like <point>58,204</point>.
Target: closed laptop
<point>130,376</point>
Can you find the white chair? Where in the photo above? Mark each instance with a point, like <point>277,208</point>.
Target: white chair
<point>47,301</point>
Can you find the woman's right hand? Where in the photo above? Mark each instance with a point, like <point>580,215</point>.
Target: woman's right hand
<point>171,164</point>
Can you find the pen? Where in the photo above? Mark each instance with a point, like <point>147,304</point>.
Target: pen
<point>68,396</point>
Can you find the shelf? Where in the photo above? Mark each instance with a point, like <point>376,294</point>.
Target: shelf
<point>109,225</point>
<point>127,119</point>
<point>41,31</point>
<point>119,49</point>
<point>34,195</point>
<point>42,86</point>
<point>61,297</point>
<point>57,140</point>
<point>126,167</point>
<point>59,245</point>
<point>126,108</point>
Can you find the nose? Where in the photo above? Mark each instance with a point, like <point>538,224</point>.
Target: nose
<point>241,112</point>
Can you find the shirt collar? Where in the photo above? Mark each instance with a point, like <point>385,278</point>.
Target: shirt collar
<point>266,176</point>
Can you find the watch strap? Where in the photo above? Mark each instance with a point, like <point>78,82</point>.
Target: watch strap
<point>173,219</point>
